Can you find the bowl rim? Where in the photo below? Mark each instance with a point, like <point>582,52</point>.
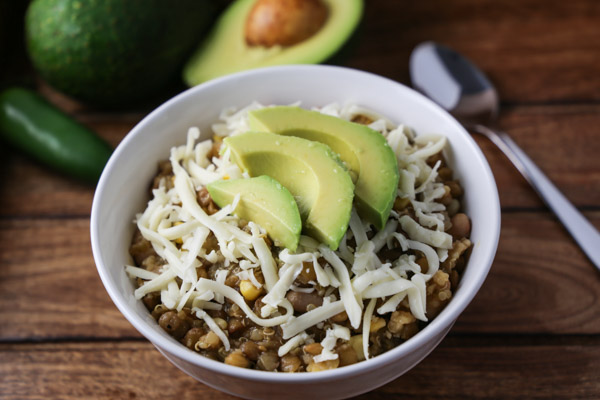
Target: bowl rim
<point>442,321</point>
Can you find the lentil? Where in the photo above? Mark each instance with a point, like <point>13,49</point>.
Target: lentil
<point>255,346</point>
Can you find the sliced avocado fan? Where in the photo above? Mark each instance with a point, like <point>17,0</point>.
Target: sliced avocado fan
<point>366,153</point>
<point>265,201</point>
<point>225,50</point>
<point>312,173</point>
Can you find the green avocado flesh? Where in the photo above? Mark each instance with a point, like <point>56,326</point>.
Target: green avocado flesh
<point>311,172</point>
<point>225,50</point>
<point>265,201</point>
<point>112,52</point>
<point>366,153</point>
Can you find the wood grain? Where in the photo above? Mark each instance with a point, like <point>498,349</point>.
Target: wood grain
<point>532,332</point>
<point>540,282</point>
<point>560,139</point>
<point>490,371</point>
<point>455,370</point>
<point>49,287</point>
<point>31,189</point>
<point>535,51</point>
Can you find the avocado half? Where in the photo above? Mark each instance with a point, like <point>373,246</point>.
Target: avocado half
<point>225,49</point>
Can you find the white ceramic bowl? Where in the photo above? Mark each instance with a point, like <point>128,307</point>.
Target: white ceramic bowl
<point>123,189</point>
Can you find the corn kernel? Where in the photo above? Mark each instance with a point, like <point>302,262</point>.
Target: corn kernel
<point>249,291</point>
<point>357,344</point>
<point>376,324</point>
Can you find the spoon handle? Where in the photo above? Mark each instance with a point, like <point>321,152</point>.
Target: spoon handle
<point>580,228</point>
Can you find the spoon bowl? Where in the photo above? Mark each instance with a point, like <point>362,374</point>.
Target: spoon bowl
<point>460,87</point>
<point>453,82</point>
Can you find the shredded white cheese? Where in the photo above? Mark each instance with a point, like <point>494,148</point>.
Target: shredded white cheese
<point>310,318</point>
<point>353,308</point>
<point>328,344</point>
<point>277,293</point>
<point>366,328</point>
<point>291,344</point>
<point>201,314</point>
<point>140,273</point>
<point>267,264</point>
<point>179,230</point>
<point>419,233</point>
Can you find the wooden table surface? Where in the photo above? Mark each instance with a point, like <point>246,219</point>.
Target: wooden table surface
<point>531,332</point>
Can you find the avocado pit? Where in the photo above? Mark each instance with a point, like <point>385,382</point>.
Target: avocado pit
<point>284,22</point>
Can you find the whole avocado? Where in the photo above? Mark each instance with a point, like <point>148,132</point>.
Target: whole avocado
<point>113,52</point>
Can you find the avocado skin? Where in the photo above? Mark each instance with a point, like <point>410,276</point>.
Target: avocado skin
<point>113,52</point>
<point>225,50</point>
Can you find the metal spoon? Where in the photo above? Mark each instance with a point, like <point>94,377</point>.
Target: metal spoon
<point>460,87</point>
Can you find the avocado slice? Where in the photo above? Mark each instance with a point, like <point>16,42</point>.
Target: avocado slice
<point>265,201</point>
<point>312,173</point>
<point>366,153</point>
<point>225,49</point>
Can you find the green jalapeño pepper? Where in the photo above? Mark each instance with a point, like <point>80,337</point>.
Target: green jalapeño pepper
<point>30,123</point>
